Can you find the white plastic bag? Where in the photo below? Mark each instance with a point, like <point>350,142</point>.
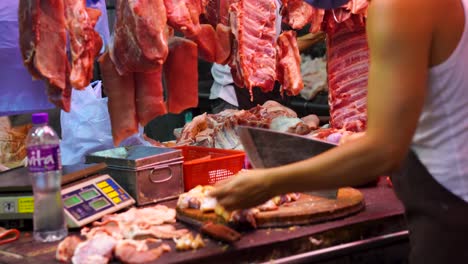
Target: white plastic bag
<point>86,128</point>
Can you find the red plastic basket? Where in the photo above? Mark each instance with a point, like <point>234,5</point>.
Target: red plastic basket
<point>206,166</point>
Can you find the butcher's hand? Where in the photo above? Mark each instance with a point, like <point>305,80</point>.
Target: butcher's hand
<point>244,190</point>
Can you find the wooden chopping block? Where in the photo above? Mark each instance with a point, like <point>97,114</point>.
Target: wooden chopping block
<point>307,209</point>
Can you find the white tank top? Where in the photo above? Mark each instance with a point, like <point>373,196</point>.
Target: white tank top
<point>441,139</point>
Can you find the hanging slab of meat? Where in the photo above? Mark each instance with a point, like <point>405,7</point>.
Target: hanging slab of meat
<point>224,44</point>
<point>58,96</point>
<point>253,25</point>
<point>149,95</point>
<point>28,19</point>
<point>316,20</point>
<point>289,64</point>
<point>211,11</point>
<point>181,75</point>
<point>348,67</point>
<point>140,36</point>
<point>223,13</point>
<point>120,91</point>
<point>206,40</point>
<point>217,11</point>
<point>296,13</point>
<point>184,15</point>
<point>358,6</point>
<point>85,43</point>
<point>42,30</point>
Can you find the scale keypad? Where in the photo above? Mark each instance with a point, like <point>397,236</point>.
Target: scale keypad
<point>94,198</point>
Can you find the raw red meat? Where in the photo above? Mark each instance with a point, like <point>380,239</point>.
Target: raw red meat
<point>149,95</point>
<point>133,251</point>
<point>289,64</point>
<point>58,96</point>
<point>120,91</point>
<point>223,44</point>
<point>223,16</point>
<point>184,15</point>
<point>66,248</point>
<point>348,66</point>
<point>140,37</point>
<point>253,25</point>
<point>358,6</point>
<point>211,11</point>
<point>348,62</point>
<point>296,13</point>
<point>85,43</point>
<point>316,20</point>
<point>28,19</point>
<point>181,75</point>
<point>206,40</point>
<point>36,20</point>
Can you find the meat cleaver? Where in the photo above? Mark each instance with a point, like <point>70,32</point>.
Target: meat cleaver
<point>266,148</point>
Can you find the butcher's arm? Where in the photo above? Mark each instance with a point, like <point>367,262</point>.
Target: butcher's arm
<point>399,41</point>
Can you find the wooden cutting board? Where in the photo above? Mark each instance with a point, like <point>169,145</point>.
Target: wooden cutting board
<point>307,209</point>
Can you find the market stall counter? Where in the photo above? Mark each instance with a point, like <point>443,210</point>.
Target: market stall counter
<point>381,224</point>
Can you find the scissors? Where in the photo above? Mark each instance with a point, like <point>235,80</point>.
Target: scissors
<point>8,235</point>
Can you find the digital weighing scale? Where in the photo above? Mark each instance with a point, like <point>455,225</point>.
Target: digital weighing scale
<point>87,196</point>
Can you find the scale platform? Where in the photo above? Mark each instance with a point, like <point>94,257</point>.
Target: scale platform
<point>87,195</point>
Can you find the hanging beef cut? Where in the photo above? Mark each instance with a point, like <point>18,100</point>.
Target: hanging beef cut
<point>85,42</point>
<point>289,64</point>
<point>184,15</point>
<point>140,37</point>
<point>42,30</point>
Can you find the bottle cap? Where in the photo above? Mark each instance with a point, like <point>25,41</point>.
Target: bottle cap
<point>40,118</point>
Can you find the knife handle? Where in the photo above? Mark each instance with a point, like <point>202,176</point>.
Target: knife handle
<point>220,232</point>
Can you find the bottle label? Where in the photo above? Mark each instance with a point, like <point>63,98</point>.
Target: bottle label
<point>43,159</point>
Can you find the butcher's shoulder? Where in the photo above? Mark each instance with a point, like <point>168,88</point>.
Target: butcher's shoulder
<point>409,13</point>
<point>401,21</point>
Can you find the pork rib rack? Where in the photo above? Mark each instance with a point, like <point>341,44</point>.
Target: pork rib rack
<point>347,55</point>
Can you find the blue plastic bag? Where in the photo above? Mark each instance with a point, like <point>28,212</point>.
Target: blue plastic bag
<point>19,93</point>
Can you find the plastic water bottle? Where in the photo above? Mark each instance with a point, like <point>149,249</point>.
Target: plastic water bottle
<point>45,170</point>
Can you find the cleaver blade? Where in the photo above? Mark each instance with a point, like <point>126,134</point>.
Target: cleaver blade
<point>267,149</point>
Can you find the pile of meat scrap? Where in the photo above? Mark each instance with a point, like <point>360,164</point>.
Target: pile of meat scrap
<point>218,130</point>
<point>135,236</point>
<point>145,53</point>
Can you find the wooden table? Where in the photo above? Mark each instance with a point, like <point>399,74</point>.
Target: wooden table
<point>383,215</point>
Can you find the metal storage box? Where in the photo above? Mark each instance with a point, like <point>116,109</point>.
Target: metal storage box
<point>149,174</point>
